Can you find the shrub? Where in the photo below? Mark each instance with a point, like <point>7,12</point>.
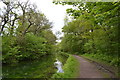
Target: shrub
<point>110,59</point>
<point>34,46</point>
<point>9,50</point>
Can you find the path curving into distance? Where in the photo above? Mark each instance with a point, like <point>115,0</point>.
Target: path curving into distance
<point>88,69</point>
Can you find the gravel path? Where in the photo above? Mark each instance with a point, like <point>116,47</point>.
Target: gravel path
<point>88,69</point>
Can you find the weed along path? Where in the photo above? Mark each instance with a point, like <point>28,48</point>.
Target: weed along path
<point>89,70</point>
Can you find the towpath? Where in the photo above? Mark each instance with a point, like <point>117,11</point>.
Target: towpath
<point>89,69</point>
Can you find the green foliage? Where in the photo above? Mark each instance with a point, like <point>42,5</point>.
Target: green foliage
<point>26,36</point>
<point>107,60</point>
<point>34,46</point>
<point>12,55</point>
<point>93,30</point>
<point>75,34</point>
<point>111,60</point>
<point>70,69</point>
<point>62,56</point>
<point>28,47</point>
<point>51,38</point>
<point>10,52</point>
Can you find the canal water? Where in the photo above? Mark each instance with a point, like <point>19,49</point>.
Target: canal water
<point>43,68</point>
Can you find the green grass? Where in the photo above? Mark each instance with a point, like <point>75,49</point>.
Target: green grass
<point>71,69</point>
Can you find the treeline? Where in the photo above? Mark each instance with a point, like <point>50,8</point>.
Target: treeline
<point>93,30</point>
<point>25,31</point>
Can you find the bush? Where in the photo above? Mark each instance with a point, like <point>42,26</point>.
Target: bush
<point>10,52</point>
<point>110,59</point>
<point>34,47</point>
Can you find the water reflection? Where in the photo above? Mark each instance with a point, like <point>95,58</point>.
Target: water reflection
<point>58,64</point>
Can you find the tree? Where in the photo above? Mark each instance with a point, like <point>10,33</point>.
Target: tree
<point>25,31</point>
<point>102,36</point>
<point>9,17</point>
<point>76,33</point>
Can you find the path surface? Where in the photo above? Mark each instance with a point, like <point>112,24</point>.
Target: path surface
<point>88,69</point>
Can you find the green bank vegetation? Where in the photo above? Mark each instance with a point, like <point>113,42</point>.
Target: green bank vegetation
<point>25,35</point>
<point>26,45</point>
<point>71,69</point>
<point>92,31</point>
<point>62,57</point>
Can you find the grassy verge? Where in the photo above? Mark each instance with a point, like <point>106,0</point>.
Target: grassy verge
<point>70,69</point>
<point>107,60</point>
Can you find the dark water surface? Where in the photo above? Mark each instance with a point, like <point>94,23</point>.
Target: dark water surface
<point>42,68</point>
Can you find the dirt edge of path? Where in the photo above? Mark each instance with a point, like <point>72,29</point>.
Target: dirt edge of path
<point>104,67</point>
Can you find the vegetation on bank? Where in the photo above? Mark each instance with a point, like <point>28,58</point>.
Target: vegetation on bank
<point>26,46</point>
<point>27,38</point>
<point>93,29</point>
<point>71,69</point>
<point>111,60</point>
<point>62,57</point>
<point>40,68</point>
<point>25,34</point>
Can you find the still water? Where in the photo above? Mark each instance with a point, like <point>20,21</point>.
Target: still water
<point>43,68</point>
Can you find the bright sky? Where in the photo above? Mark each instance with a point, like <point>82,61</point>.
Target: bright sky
<point>55,13</point>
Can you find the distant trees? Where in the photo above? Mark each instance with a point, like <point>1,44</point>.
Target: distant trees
<point>26,32</point>
<point>76,33</point>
